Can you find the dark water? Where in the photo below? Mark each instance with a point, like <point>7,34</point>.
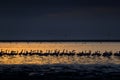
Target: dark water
<point>60,67</point>
<point>60,71</point>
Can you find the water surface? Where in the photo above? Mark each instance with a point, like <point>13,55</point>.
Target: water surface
<point>44,46</point>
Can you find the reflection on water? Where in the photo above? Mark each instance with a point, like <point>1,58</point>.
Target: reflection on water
<point>58,60</point>
<point>78,46</point>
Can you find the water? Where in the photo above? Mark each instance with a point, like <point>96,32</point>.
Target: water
<point>77,46</point>
<point>59,67</point>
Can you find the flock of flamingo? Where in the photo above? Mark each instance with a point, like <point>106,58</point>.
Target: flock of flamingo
<point>59,53</point>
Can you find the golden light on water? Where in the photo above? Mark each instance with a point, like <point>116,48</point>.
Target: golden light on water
<point>78,46</point>
<point>57,60</point>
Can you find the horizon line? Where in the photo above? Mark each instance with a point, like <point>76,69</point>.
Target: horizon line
<point>59,40</point>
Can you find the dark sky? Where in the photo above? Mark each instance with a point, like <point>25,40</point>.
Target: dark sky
<point>60,19</point>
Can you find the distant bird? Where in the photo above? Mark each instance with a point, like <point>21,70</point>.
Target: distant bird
<point>117,53</point>
<point>107,54</point>
<point>97,53</point>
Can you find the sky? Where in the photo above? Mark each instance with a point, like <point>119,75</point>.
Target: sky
<point>60,20</point>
